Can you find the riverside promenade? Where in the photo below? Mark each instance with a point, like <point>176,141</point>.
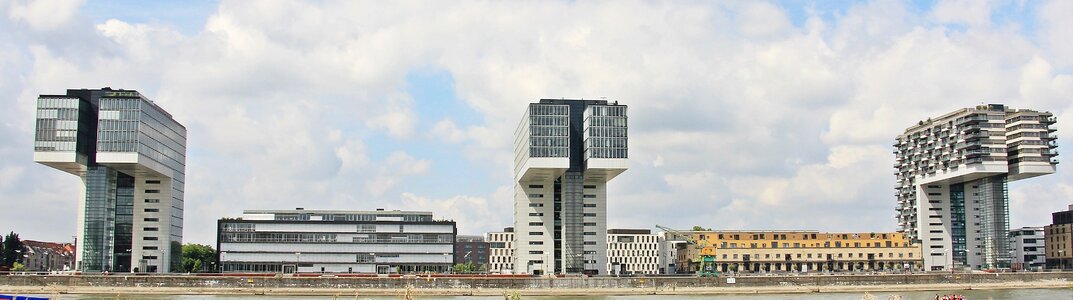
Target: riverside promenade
<point>527,286</point>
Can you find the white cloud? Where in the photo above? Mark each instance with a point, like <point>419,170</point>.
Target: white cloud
<point>42,14</point>
<point>968,12</point>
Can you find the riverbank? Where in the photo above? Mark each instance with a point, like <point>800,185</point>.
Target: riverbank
<point>269,284</point>
<point>290,291</point>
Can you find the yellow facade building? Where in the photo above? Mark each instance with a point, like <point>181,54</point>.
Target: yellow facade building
<point>799,251</point>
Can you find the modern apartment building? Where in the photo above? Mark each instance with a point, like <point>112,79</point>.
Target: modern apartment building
<point>1028,247</point>
<point>668,251</point>
<point>632,251</point>
<point>1058,237</point>
<point>952,172</point>
<point>335,241</point>
<point>565,153</point>
<point>501,249</point>
<point>131,157</point>
<point>800,251</point>
<point>472,249</point>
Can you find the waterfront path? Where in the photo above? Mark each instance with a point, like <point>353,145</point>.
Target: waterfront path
<point>335,286</point>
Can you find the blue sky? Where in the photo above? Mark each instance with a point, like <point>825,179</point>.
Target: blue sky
<point>744,114</point>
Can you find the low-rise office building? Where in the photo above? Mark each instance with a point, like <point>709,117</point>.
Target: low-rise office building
<point>299,240</point>
<point>1028,246</point>
<point>501,249</point>
<point>472,249</point>
<point>631,251</point>
<point>1059,239</point>
<point>800,251</point>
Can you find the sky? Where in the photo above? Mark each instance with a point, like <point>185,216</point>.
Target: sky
<point>743,114</point>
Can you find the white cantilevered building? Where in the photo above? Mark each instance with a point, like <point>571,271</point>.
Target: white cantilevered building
<point>131,157</point>
<point>952,172</point>
<point>565,153</point>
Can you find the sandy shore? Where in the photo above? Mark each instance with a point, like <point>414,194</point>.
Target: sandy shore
<point>49,290</point>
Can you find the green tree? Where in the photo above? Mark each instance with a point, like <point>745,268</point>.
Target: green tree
<point>698,228</point>
<point>197,258</point>
<point>468,267</point>
<point>12,250</point>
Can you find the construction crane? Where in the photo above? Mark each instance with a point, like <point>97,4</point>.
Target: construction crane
<point>704,255</point>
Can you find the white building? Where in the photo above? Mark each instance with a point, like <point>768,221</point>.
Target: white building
<point>668,252</point>
<point>565,153</point>
<point>131,157</point>
<point>501,251</point>
<point>952,172</point>
<point>632,251</point>
<point>307,241</point>
<point>1029,248</point>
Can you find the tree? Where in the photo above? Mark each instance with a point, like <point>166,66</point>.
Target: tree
<point>12,250</point>
<point>698,228</point>
<point>468,267</point>
<point>197,258</point>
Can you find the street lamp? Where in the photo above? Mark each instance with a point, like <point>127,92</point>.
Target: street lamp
<point>1061,261</point>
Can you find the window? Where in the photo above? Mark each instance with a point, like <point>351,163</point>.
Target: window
<point>534,243</point>
<point>536,223</point>
<point>590,186</point>
<point>149,248</point>
<point>152,210</point>
<point>536,214</point>
<point>150,229</point>
<point>151,219</point>
<point>590,205</point>
<point>536,186</point>
<point>152,200</point>
<point>152,191</point>
<point>536,252</point>
<point>536,195</point>
<point>590,233</point>
<point>149,238</point>
<point>536,204</point>
<point>152,182</point>
<point>590,196</point>
<point>589,215</point>
<point>536,233</point>
<point>149,257</point>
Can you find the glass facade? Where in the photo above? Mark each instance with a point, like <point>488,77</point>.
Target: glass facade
<point>957,223</point>
<point>97,237</point>
<point>549,130</point>
<point>605,132</point>
<point>994,221</point>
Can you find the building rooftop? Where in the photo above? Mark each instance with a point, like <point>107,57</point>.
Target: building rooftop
<point>334,212</point>
<point>629,231</point>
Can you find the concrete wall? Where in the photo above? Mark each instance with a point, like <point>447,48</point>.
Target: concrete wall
<point>514,283</point>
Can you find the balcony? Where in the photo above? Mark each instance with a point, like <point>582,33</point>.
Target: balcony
<point>1048,120</point>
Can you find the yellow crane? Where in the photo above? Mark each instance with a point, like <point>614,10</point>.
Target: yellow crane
<point>704,255</point>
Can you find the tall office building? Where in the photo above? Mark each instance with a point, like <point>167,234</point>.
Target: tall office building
<point>952,172</point>
<point>131,157</point>
<point>565,153</point>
